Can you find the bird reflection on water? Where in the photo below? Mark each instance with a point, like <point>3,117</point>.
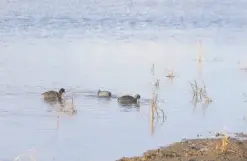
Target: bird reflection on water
<point>62,105</point>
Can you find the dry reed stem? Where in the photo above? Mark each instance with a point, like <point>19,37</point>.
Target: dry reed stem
<point>170,74</point>
<point>152,121</point>
<point>225,145</point>
<point>154,107</point>
<point>199,93</point>
<point>157,83</point>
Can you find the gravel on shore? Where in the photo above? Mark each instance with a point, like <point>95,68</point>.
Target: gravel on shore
<point>198,150</point>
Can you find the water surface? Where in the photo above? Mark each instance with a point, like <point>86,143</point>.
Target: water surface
<point>87,45</point>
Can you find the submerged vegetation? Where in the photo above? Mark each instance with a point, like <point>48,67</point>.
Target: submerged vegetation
<point>156,111</point>
<point>224,148</point>
<point>191,148</point>
<point>199,93</point>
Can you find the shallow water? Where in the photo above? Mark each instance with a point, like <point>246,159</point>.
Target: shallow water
<point>87,45</point>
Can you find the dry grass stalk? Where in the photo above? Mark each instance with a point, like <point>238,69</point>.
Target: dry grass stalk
<point>199,93</point>
<point>152,122</point>
<point>170,74</point>
<point>226,146</point>
<point>154,106</point>
<point>157,83</point>
<point>156,110</point>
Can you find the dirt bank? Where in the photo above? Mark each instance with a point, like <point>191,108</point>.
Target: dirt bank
<point>219,149</point>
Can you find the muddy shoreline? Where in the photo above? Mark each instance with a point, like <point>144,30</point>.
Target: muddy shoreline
<point>221,148</point>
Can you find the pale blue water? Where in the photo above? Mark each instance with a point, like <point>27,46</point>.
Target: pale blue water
<point>87,45</point>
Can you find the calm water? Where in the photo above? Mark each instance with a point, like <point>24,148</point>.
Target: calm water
<point>88,45</point>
